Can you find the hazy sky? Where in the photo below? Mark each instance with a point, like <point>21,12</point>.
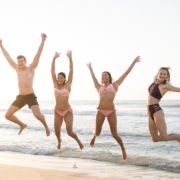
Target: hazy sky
<point>108,33</point>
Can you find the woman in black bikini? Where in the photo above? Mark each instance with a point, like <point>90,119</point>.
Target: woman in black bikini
<point>157,124</point>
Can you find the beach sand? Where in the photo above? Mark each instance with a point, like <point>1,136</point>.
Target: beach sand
<point>15,166</point>
<point>8,172</point>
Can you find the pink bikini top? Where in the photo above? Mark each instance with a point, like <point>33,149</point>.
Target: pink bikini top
<point>110,87</point>
<point>62,92</point>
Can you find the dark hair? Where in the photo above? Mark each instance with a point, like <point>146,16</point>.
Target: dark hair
<point>111,79</point>
<point>21,56</point>
<point>62,74</point>
<point>167,81</point>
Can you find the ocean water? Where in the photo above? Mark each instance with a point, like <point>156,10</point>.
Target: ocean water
<point>132,127</point>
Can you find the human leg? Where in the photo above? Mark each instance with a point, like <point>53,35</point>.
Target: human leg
<point>98,127</point>
<point>162,128</point>
<point>112,119</point>
<point>37,113</point>
<point>11,117</point>
<point>58,120</point>
<point>68,118</point>
<point>153,131</point>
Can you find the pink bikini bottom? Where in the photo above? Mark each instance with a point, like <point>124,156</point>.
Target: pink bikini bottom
<point>63,113</point>
<point>105,112</point>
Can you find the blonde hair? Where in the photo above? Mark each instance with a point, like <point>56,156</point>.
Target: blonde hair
<point>167,81</point>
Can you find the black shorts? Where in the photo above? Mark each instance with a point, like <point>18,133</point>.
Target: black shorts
<point>151,109</point>
<point>22,100</point>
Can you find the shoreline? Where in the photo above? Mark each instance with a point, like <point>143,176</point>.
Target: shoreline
<point>25,167</point>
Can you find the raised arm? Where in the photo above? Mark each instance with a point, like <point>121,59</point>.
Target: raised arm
<point>169,87</point>
<point>35,62</point>
<point>53,73</point>
<point>96,84</point>
<point>121,79</point>
<point>70,75</point>
<point>7,56</point>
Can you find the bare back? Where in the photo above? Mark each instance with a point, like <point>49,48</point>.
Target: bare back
<point>25,80</point>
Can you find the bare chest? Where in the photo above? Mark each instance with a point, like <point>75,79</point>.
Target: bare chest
<point>25,74</point>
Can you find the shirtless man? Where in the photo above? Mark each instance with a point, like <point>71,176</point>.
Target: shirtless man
<point>26,95</point>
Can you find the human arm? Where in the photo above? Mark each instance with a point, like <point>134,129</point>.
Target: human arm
<point>35,62</point>
<point>169,87</point>
<point>96,84</point>
<point>121,79</point>
<point>70,75</point>
<point>7,56</point>
<point>53,73</point>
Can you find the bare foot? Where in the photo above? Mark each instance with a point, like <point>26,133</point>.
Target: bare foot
<point>124,155</point>
<point>22,127</point>
<point>81,145</point>
<point>92,141</point>
<point>47,131</point>
<point>59,145</point>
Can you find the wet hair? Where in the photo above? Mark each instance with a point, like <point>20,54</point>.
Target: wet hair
<point>21,56</point>
<point>62,74</point>
<point>167,81</point>
<point>111,79</point>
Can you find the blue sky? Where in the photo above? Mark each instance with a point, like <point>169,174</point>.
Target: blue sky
<point>107,33</point>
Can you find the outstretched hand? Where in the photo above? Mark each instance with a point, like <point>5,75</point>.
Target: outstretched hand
<point>89,64</point>
<point>138,59</point>
<point>43,36</point>
<point>69,54</point>
<point>57,55</point>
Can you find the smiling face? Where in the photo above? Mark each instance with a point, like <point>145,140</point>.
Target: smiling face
<point>60,79</point>
<point>21,62</point>
<point>163,75</point>
<point>106,78</point>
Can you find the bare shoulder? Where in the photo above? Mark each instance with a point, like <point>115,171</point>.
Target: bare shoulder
<point>26,72</point>
<point>167,86</point>
<point>115,85</point>
<point>67,86</point>
<point>30,68</point>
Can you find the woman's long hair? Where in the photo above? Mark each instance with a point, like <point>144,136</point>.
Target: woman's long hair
<point>111,79</point>
<point>167,81</point>
<point>64,75</point>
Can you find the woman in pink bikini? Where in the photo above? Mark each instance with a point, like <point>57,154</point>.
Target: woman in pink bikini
<point>106,108</point>
<point>62,89</point>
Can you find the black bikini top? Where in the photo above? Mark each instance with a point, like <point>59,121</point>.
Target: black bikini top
<point>154,91</point>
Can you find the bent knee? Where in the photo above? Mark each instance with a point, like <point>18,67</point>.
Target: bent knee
<point>70,133</point>
<point>97,134</point>
<point>154,139</point>
<point>39,116</point>
<point>8,116</point>
<point>114,135</point>
<point>57,133</point>
<point>165,138</point>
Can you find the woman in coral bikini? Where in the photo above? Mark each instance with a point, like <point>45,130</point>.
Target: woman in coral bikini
<point>157,124</point>
<point>106,108</point>
<point>63,109</point>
